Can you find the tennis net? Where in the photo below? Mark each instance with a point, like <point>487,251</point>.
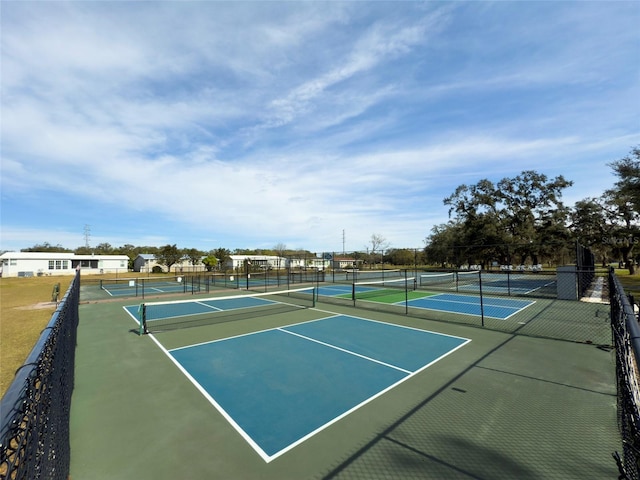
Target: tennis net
<point>142,283</point>
<point>171,315</point>
<point>437,279</point>
<point>355,275</point>
<point>468,278</point>
<point>450,280</point>
<point>393,290</point>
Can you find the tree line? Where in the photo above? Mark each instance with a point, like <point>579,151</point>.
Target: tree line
<point>522,219</point>
<point>378,251</point>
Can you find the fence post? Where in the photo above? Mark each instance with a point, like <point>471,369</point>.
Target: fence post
<point>406,293</point>
<point>481,300</point>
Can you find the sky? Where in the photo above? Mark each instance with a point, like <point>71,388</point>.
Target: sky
<point>313,125</point>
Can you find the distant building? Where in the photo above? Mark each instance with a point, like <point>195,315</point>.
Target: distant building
<point>145,262</point>
<point>339,263</point>
<point>257,261</point>
<point>29,264</point>
<point>318,263</point>
<point>269,262</point>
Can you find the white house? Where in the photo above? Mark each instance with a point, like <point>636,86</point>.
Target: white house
<point>319,263</point>
<point>145,262</point>
<point>29,264</point>
<point>274,262</point>
<point>262,261</point>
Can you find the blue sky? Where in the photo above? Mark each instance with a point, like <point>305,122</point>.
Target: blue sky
<point>246,125</point>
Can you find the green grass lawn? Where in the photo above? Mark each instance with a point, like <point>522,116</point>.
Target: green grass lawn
<point>25,309</point>
<point>631,283</point>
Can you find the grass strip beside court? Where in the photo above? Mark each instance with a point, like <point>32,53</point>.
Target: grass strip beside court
<point>25,309</point>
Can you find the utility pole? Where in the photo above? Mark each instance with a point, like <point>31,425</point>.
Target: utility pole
<point>343,241</point>
<point>87,235</point>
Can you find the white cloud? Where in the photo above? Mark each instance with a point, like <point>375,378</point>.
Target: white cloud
<point>298,120</point>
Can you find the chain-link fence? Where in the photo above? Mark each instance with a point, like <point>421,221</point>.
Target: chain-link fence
<point>195,283</point>
<point>35,410</point>
<point>626,336</point>
<point>544,304</point>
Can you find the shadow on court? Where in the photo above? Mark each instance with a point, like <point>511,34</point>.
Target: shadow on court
<point>524,421</point>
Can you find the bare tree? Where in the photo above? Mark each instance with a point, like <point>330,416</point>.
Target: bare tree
<point>281,250</point>
<point>378,244</point>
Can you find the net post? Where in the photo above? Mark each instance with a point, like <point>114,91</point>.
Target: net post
<point>142,314</point>
<point>314,295</point>
<point>406,292</point>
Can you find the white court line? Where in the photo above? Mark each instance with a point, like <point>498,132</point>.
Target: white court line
<point>350,352</point>
<point>466,303</point>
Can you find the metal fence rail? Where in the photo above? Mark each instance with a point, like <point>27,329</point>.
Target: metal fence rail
<point>626,337</point>
<point>204,282</point>
<point>34,412</point>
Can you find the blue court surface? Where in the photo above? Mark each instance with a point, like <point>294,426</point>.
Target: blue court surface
<point>516,283</point>
<point>281,386</point>
<point>495,307</point>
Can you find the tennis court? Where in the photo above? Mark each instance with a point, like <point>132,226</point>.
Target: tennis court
<point>494,307</point>
<point>396,292</point>
<point>523,284</point>
<point>135,287</point>
<point>500,283</point>
<point>276,388</point>
<point>280,386</point>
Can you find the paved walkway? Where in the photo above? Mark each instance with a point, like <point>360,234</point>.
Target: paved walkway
<point>598,292</point>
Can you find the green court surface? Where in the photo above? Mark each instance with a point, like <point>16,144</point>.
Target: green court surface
<point>504,406</point>
<point>392,296</point>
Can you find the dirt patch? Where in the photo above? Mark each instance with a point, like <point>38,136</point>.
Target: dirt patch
<point>38,306</point>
